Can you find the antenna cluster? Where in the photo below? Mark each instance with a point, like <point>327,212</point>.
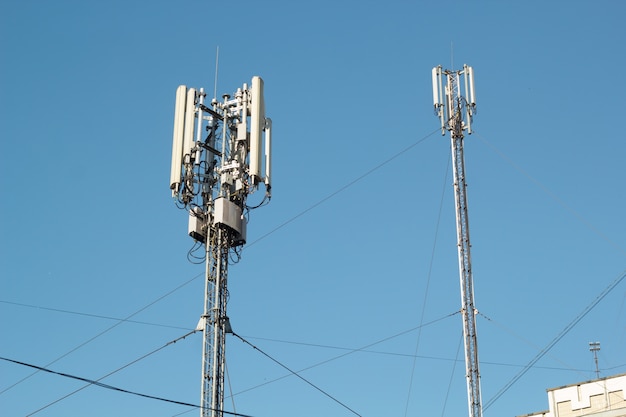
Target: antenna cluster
<point>448,100</point>
<point>220,155</point>
<point>244,128</point>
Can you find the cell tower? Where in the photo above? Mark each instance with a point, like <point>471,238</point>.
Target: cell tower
<point>455,112</point>
<point>220,155</point>
<point>594,347</point>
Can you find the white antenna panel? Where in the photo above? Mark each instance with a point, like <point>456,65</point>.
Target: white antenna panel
<point>466,81</point>
<point>449,101</point>
<point>177,141</point>
<point>190,111</point>
<point>268,153</point>
<point>468,78</point>
<point>472,96</point>
<point>437,86</point>
<point>257,124</point>
<point>242,127</point>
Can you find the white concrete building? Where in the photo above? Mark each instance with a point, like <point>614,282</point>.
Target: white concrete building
<point>604,397</point>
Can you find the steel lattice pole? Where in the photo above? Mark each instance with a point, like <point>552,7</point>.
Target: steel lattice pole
<point>468,309</point>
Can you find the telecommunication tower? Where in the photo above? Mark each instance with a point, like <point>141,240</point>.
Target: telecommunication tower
<point>594,347</point>
<point>455,112</point>
<point>221,153</point>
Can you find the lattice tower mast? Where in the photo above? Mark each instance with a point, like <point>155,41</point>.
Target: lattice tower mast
<point>455,112</point>
<point>220,155</point>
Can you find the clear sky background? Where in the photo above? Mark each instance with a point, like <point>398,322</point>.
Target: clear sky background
<point>357,249</point>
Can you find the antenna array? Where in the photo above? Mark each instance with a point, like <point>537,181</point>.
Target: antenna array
<point>455,112</point>
<point>221,153</point>
<point>448,100</point>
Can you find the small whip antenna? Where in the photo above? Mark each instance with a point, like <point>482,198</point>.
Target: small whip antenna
<point>217,60</point>
<point>451,54</point>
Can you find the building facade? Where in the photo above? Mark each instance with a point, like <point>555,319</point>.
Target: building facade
<point>602,397</point>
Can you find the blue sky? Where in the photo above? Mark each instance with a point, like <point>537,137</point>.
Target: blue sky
<point>90,235</point>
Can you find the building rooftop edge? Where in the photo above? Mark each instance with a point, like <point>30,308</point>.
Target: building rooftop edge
<point>587,382</point>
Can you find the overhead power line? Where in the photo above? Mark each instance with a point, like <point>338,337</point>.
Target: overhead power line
<point>296,374</point>
<point>558,337</point>
<point>97,316</point>
<point>426,292</point>
<point>344,187</point>
<point>111,387</point>
<point>435,358</point>
<point>108,329</point>
<point>319,345</point>
<point>351,351</point>
<point>113,372</point>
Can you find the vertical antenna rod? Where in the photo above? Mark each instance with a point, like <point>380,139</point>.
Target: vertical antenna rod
<point>217,59</point>
<point>212,177</point>
<point>455,112</point>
